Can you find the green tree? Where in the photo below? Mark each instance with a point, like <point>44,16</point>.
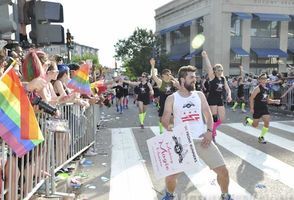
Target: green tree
<point>86,56</point>
<point>136,51</point>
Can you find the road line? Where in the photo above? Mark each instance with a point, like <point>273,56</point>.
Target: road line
<point>129,176</point>
<point>271,166</point>
<point>270,137</point>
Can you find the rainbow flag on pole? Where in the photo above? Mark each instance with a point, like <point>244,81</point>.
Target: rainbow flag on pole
<point>80,80</point>
<point>19,127</point>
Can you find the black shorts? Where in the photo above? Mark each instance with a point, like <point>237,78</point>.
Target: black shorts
<point>145,100</point>
<point>259,113</point>
<point>215,101</point>
<point>119,96</point>
<point>126,94</point>
<point>156,92</point>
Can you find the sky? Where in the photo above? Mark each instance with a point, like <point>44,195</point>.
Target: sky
<point>100,24</point>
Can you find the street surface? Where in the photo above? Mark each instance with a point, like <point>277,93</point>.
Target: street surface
<point>122,169</point>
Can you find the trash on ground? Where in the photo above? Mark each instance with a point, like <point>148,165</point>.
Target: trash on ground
<point>104,179</point>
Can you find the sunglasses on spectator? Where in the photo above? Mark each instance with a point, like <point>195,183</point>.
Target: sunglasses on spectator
<point>143,76</point>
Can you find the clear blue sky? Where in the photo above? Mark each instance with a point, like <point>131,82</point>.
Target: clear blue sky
<point>100,24</point>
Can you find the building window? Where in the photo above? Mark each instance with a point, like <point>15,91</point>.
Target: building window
<point>265,29</point>
<point>290,59</point>
<point>235,59</point>
<point>291,29</point>
<point>181,36</point>
<point>200,25</point>
<point>235,27</point>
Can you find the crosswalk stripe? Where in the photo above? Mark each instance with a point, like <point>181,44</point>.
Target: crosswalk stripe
<point>129,176</point>
<point>204,180</point>
<point>274,139</point>
<point>275,168</point>
<point>283,127</point>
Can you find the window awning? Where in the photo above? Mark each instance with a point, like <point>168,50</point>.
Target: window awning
<point>241,15</point>
<point>175,57</point>
<point>176,27</point>
<point>269,53</point>
<point>272,17</point>
<point>291,51</point>
<point>194,53</point>
<point>240,52</point>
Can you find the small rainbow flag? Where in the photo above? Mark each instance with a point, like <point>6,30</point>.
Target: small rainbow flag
<point>19,127</point>
<point>80,80</point>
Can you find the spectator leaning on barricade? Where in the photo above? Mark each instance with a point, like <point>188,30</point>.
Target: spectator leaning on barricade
<point>275,84</point>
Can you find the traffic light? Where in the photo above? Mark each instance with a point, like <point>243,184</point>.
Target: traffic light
<point>43,14</point>
<point>69,40</point>
<point>7,24</point>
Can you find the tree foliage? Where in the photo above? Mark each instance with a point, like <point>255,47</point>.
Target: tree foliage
<point>86,56</point>
<point>136,51</point>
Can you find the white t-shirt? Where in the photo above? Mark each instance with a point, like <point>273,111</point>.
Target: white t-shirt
<point>188,110</point>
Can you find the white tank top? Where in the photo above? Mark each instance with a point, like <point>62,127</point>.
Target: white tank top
<point>188,110</point>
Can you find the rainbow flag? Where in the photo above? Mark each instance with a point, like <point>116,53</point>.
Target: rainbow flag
<point>19,127</point>
<point>80,80</point>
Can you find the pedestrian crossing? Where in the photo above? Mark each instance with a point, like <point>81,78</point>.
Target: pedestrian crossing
<point>132,176</point>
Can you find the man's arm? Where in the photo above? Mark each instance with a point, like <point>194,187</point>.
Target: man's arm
<point>228,90</point>
<point>255,91</point>
<point>154,77</point>
<point>150,89</point>
<point>168,109</point>
<point>207,137</point>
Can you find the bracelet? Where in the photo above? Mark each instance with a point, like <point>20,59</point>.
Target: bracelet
<point>209,130</point>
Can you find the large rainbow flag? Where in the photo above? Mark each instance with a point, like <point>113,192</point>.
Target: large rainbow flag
<point>80,80</point>
<point>19,127</point>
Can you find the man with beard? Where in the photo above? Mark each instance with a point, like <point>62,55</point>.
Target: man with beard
<point>187,106</point>
<point>167,85</point>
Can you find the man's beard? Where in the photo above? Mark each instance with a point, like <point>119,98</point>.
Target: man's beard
<point>190,87</point>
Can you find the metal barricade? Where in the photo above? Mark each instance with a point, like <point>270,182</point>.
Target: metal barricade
<point>22,177</point>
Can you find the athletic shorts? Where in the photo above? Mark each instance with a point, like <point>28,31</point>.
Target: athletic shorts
<point>259,113</point>
<point>215,101</point>
<point>145,100</point>
<point>211,155</point>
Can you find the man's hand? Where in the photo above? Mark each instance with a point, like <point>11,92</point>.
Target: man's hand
<point>251,110</point>
<point>152,62</point>
<point>229,99</point>
<point>204,54</point>
<point>207,137</point>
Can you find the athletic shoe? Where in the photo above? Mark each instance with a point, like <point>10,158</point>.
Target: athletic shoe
<point>169,196</point>
<point>142,126</point>
<point>245,123</point>
<point>244,111</point>
<point>226,196</point>
<point>261,140</point>
<point>234,109</point>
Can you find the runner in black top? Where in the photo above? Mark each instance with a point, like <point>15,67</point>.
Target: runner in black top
<point>198,84</point>
<point>167,85</point>
<point>240,92</point>
<point>144,92</point>
<point>217,85</point>
<point>258,106</point>
<point>125,94</point>
<point>119,94</point>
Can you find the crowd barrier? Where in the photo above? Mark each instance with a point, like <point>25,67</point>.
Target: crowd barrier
<point>65,138</point>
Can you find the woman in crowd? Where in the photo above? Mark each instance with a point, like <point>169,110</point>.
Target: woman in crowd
<point>217,86</point>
